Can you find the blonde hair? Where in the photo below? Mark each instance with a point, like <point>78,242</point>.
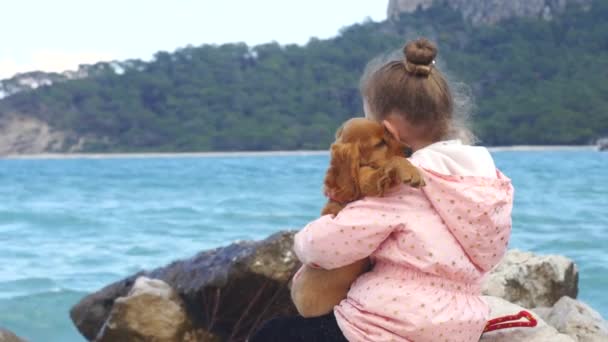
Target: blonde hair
<point>411,84</point>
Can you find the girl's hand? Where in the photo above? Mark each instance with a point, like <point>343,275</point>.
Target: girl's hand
<point>315,291</point>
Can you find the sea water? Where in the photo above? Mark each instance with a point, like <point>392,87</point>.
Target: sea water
<point>72,226</point>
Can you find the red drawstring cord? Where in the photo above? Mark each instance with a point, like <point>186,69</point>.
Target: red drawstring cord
<point>511,321</point>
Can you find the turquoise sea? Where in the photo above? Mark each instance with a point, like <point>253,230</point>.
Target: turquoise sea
<point>68,227</point>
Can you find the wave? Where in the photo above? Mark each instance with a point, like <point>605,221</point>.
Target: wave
<point>42,316</point>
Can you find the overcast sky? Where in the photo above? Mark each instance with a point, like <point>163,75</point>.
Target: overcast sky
<point>60,34</point>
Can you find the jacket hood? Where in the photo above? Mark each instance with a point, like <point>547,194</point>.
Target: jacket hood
<point>476,209</point>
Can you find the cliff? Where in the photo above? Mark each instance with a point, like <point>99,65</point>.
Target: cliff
<point>488,11</point>
<point>22,134</point>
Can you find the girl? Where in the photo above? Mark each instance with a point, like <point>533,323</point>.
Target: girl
<point>430,247</point>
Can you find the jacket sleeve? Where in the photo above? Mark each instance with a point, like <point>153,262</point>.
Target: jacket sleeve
<point>354,234</point>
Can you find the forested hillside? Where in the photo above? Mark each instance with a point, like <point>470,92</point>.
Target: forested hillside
<point>535,82</point>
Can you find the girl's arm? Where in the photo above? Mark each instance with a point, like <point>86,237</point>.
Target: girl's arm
<point>355,233</point>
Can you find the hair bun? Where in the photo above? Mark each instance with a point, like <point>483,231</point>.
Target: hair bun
<point>420,52</point>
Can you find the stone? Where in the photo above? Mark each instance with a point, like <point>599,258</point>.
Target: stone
<point>602,144</point>
<point>489,11</point>
<point>532,281</point>
<point>227,291</point>
<point>396,7</point>
<point>7,336</point>
<point>92,311</point>
<point>542,312</point>
<point>151,311</point>
<point>542,332</point>
<point>578,320</point>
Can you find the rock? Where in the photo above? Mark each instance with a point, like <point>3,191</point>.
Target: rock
<point>542,332</point>
<point>532,281</point>
<point>542,312</point>
<point>7,336</point>
<point>92,311</point>
<point>489,11</point>
<point>602,144</point>
<point>578,320</point>
<point>152,311</point>
<point>227,291</point>
<point>396,7</point>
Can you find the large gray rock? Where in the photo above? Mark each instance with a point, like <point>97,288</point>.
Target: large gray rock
<point>532,281</point>
<point>542,312</point>
<point>7,336</point>
<point>227,291</point>
<point>542,332</point>
<point>152,311</point>
<point>488,11</point>
<point>578,320</point>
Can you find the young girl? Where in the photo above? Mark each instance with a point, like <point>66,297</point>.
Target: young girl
<point>430,247</point>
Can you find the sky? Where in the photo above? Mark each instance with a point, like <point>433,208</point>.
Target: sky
<point>58,35</point>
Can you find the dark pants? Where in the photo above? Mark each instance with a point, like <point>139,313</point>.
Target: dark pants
<point>297,328</point>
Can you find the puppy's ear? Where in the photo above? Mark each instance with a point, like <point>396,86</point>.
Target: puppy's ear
<point>396,147</point>
<point>339,132</point>
<point>342,177</point>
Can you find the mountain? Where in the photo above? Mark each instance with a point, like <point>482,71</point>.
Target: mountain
<point>489,11</point>
<point>535,81</point>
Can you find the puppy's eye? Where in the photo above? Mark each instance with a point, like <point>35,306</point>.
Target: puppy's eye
<point>380,144</point>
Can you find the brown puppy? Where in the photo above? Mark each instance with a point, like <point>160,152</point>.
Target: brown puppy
<point>365,161</point>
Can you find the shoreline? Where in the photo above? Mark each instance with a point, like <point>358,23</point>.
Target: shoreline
<point>147,155</point>
<point>543,148</point>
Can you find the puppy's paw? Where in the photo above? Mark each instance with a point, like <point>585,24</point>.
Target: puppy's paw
<point>385,182</point>
<point>416,180</point>
<point>409,174</point>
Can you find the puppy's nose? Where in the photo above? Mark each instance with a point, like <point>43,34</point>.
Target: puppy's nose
<point>407,151</point>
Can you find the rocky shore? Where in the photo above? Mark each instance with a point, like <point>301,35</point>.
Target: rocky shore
<point>224,294</point>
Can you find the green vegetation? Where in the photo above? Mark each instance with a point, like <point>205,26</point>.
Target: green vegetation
<point>534,82</point>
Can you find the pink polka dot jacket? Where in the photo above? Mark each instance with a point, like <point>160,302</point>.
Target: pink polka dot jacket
<point>430,248</point>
